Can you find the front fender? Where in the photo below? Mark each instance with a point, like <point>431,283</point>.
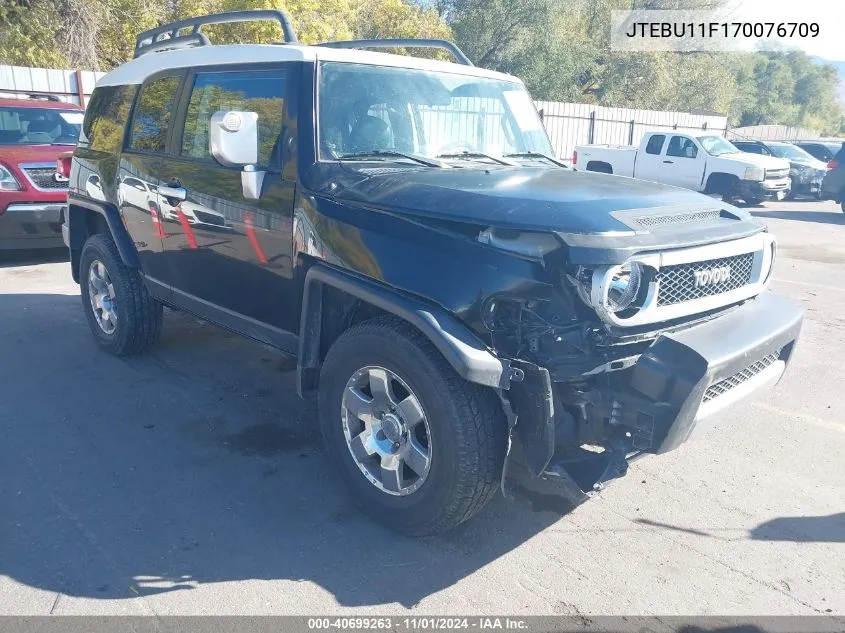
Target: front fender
<point>463,350</point>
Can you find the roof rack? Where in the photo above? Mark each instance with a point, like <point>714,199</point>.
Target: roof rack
<point>42,96</point>
<point>167,36</point>
<point>446,45</point>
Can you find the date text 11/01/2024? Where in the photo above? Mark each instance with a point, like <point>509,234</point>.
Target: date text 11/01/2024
<point>721,29</point>
<point>418,623</point>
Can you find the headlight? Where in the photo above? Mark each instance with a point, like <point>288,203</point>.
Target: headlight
<point>624,286</point>
<point>8,181</point>
<point>613,290</point>
<point>755,173</point>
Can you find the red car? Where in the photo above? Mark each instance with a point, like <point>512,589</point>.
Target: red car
<point>33,133</point>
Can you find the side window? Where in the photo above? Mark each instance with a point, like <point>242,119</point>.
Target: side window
<point>682,147</point>
<point>251,91</point>
<point>818,151</point>
<point>655,144</point>
<point>153,113</point>
<point>106,117</point>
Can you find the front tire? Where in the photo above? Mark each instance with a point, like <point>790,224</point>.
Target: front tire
<point>122,316</point>
<point>388,401</point>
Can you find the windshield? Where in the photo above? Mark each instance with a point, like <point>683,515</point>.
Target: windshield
<point>39,126</point>
<point>790,151</point>
<point>716,145</point>
<point>365,109</point>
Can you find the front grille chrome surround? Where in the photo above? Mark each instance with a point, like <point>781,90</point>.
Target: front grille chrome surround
<point>730,272</point>
<point>42,176</point>
<point>726,384</point>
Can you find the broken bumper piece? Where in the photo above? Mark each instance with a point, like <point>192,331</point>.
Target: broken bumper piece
<point>680,386</point>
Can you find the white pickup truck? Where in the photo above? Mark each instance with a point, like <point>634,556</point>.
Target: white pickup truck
<point>704,162</point>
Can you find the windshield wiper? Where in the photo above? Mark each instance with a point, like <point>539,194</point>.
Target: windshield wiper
<point>389,153</point>
<point>500,161</point>
<point>554,161</point>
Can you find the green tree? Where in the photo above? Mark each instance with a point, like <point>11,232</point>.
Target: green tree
<point>26,27</point>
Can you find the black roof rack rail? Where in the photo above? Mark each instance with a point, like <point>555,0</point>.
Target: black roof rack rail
<point>43,97</point>
<point>446,45</point>
<point>167,36</point>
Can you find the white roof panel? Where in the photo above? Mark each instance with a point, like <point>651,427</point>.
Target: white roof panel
<point>135,71</point>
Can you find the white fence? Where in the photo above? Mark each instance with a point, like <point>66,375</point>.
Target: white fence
<point>771,133</point>
<point>73,86</point>
<point>571,124</point>
<point>568,124</point>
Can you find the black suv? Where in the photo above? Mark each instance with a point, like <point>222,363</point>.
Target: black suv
<point>833,185</point>
<point>822,150</point>
<point>470,314</point>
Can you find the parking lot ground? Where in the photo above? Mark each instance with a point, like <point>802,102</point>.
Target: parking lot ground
<point>192,481</point>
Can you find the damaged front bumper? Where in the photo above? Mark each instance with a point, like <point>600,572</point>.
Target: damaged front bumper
<point>680,386</point>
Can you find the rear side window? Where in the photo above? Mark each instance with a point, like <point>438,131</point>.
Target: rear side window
<point>106,117</point>
<point>251,91</point>
<point>655,144</point>
<point>153,114</point>
<point>682,147</point>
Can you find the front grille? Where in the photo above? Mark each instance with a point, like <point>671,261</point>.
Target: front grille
<point>678,282</point>
<point>776,174</point>
<point>723,386</point>
<point>209,218</point>
<point>44,178</point>
<point>679,218</point>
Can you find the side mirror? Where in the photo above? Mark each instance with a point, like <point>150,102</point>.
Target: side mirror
<point>233,142</point>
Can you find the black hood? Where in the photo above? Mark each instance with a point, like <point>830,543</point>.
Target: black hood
<point>589,211</point>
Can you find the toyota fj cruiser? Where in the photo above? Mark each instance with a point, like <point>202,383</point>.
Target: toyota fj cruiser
<point>470,314</point>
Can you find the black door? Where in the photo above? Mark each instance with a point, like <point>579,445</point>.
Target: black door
<point>229,258</point>
<point>138,173</point>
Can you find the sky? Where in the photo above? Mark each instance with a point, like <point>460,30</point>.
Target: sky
<point>829,14</point>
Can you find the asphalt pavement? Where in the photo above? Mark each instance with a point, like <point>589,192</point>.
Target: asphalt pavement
<point>192,481</point>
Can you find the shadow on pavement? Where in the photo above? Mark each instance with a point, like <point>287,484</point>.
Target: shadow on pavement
<point>822,217</point>
<point>194,464</point>
<point>676,528</point>
<point>35,256</point>
<point>823,529</point>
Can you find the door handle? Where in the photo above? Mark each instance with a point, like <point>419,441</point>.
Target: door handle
<point>670,162</point>
<point>175,193</point>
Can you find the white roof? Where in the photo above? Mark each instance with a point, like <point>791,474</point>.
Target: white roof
<point>135,71</point>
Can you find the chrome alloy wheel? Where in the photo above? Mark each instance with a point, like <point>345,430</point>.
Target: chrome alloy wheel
<point>101,295</point>
<point>386,430</point>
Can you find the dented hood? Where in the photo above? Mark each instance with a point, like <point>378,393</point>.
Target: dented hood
<point>601,218</point>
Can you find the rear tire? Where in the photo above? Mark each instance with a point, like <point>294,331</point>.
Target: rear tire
<point>122,316</point>
<point>465,429</point>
